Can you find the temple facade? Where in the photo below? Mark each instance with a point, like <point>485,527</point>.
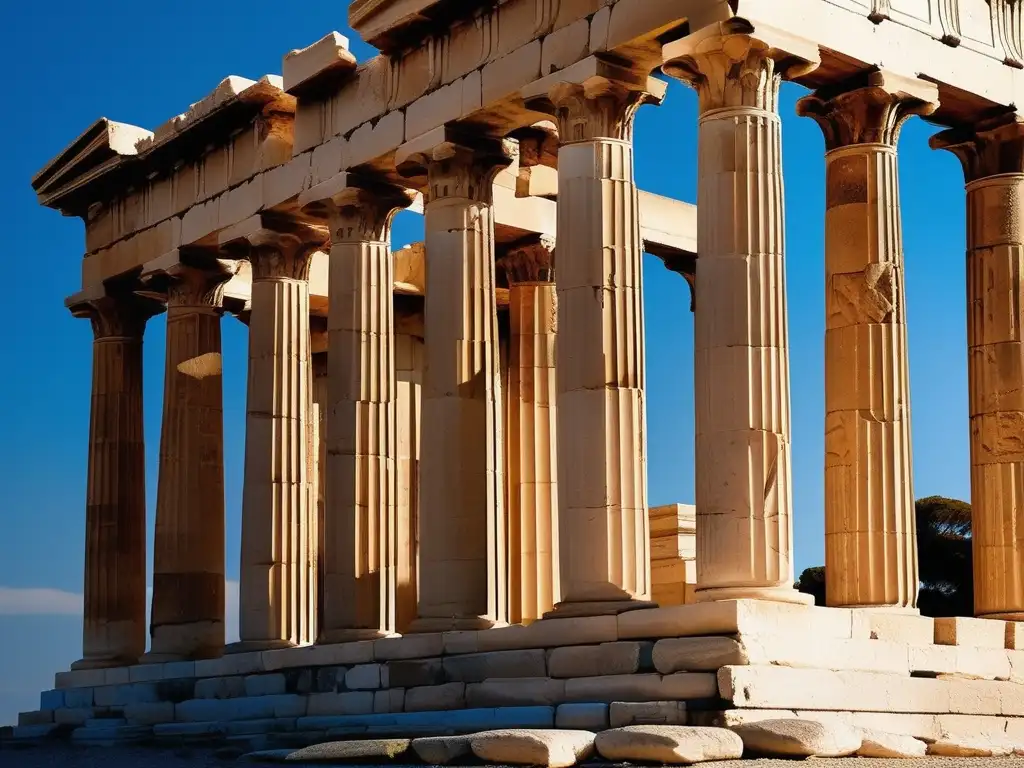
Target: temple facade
<point>445,446</point>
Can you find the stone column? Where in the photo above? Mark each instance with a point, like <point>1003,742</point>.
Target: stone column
<point>188,546</point>
<point>741,367</point>
<point>359,520</point>
<point>115,508</point>
<point>992,154</point>
<point>462,539</point>
<point>530,442</point>
<point>318,451</point>
<point>870,525</point>
<point>604,552</point>
<point>277,587</point>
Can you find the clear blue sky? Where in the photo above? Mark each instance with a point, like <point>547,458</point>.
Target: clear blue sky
<point>68,63</point>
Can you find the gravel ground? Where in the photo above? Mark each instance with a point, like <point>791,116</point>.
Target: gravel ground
<point>123,757</point>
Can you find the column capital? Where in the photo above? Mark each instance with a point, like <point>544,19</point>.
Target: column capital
<point>732,64</point>
<point>188,279</point>
<point>868,109</point>
<point>988,148</point>
<point>114,315</point>
<point>277,247</point>
<point>594,99</point>
<point>455,163</point>
<point>529,261</point>
<point>358,208</point>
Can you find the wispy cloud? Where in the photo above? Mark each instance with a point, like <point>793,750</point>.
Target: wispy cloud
<point>39,601</point>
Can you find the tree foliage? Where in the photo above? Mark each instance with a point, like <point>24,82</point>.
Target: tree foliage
<point>944,560</point>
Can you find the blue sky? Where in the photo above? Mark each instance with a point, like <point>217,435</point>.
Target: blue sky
<point>68,63</point>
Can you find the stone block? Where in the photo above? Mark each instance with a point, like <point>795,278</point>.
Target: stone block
<point>366,751</point>
<point>120,695</point>
<point>408,647</point>
<point>145,673</point>
<point>549,633</point>
<point>969,746</point>
<point>363,677</point>
<point>247,708</point>
<point>408,673</point>
<point>260,727</point>
<point>339,654</point>
<point>697,654</point>
<point>625,713</point>
<point>798,738</point>
<point>960,661</point>
<point>79,678</point>
<point>515,691</point>
<point>307,69</point>
<point>110,736</point>
<point>477,667</point>
<point>74,717</point>
<point>435,697</point>
<point>442,750</point>
<point>505,76</point>
<point>78,698</point>
<point>978,633</point>
<point>232,664</point>
<point>565,46</point>
<point>553,748</point>
<point>461,641</point>
<point>586,716</point>
<point>198,730</point>
<point>32,732</point>
<point>737,617</point>
<point>668,744</point>
<point>220,688</point>
<point>1015,635</point>
<point>391,700</point>
<point>894,627</point>
<point>619,658</point>
<point>642,687</point>
<point>889,745</point>
<point>40,717</point>
<point>923,726</point>
<point>847,655</point>
<point>346,703</point>
<point>179,669</point>
<point>116,676</point>
<point>329,679</point>
<point>264,685</point>
<point>149,714</point>
<point>52,699</point>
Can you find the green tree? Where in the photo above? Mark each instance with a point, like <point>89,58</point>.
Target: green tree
<point>812,582</point>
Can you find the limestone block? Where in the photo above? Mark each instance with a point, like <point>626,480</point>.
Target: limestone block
<point>979,633</point>
<point>119,695</point>
<point>668,744</point>
<point>391,700</point>
<point>960,661</point>
<point>346,703</point>
<point>44,717</point>
<point>565,46</point>
<point>52,700</point>
<point>551,633</point>
<point>1015,635</point>
<point>847,655</point>
<point>593,660</point>
<point>893,745</point>
<point>263,685</point>
<point>361,652</point>
<point>586,716</point>
<point>116,676</point>
<point>231,664</point>
<point>146,673</point>
<point>79,678</point>
<point>519,691</point>
<point>442,750</point>
<point>306,69</point>
<point>363,750</point>
<point>435,697</point>
<point>409,647</point>
<point>73,716</point>
<point>505,76</point>
<point>149,714</point>
<point>178,731</point>
<point>624,713</point>
<point>79,697</point>
<point>556,749</point>
<point>363,677</point>
<point>477,667</point>
<point>409,673</point>
<point>178,669</point>
<point>798,738</point>
<point>967,746</point>
<point>737,617</point>
<point>894,626</point>
<point>220,688</point>
<point>696,654</point>
<point>925,727</point>
<point>642,687</point>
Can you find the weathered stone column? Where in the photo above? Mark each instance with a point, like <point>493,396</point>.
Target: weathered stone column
<point>993,159</point>
<point>188,547</point>
<point>462,537</point>
<point>741,368</point>
<point>530,442</point>
<point>318,450</point>
<point>604,556</point>
<point>115,508</point>
<point>359,519</point>
<point>277,586</point>
<point>870,525</point>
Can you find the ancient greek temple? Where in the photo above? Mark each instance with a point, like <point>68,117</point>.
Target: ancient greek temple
<point>445,446</point>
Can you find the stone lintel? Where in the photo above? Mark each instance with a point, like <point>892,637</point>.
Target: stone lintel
<point>595,75</point>
<point>318,67</point>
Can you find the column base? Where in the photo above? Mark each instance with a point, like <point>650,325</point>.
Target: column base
<point>427,624</point>
<point>334,636</point>
<point>249,646</point>
<point>103,663</point>
<point>571,610</point>
<point>773,594</point>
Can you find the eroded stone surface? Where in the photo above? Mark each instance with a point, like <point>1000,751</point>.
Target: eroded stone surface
<point>373,750</point>
<point>883,744</point>
<point>669,744</point>
<point>799,738</point>
<point>441,750</point>
<point>556,749</point>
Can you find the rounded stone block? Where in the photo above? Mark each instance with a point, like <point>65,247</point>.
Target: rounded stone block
<point>553,748</point>
<point>891,745</point>
<point>441,750</point>
<point>669,744</point>
<point>799,738</point>
<point>366,751</point>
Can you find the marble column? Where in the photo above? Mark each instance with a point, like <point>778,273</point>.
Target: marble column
<point>188,546</point>
<point>278,562</point>
<point>604,555</point>
<point>992,153</point>
<point>462,539</point>
<point>359,518</point>
<point>870,524</point>
<point>530,440</point>
<point>741,366</point>
<point>114,632</point>
<point>318,449</point>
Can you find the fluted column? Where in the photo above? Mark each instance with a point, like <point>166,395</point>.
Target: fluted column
<point>318,450</point>
<point>602,455</point>
<point>741,366</point>
<point>992,154</point>
<point>462,540</point>
<point>188,547</point>
<point>870,525</point>
<point>114,631</point>
<point>277,585</point>
<point>530,442</point>
<point>359,519</point>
